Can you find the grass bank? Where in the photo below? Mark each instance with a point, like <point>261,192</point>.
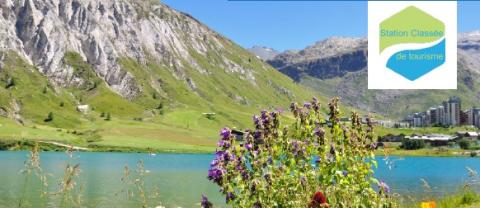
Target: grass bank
<point>429,152</point>
<point>112,136</point>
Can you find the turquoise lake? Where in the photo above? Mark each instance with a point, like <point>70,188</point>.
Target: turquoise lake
<point>181,178</point>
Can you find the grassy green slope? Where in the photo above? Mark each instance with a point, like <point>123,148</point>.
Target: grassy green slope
<point>166,116</point>
<point>34,95</point>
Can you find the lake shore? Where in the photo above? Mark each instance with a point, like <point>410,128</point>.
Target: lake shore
<point>53,146</point>
<point>426,152</point>
<point>21,145</point>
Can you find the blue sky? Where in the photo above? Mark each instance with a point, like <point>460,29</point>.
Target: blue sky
<point>294,25</point>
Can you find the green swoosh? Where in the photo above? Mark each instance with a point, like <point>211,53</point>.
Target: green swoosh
<point>409,19</point>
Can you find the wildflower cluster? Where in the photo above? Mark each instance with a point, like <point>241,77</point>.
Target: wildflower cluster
<point>312,163</point>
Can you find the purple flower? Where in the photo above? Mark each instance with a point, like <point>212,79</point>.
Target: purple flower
<point>384,187</point>
<point>214,163</point>
<point>223,143</point>
<point>230,196</point>
<point>228,157</point>
<point>264,114</point>
<point>216,175</point>
<point>225,133</point>
<point>257,134</point>
<point>205,203</point>
<point>269,160</point>
<point>274,114</point>
<point>248,146</point>
<point>219,155</point>
<point>222,156</point>
<point>319,132</point>
<point>257,205</point>
<point>295,147</point>
<point>307,105</point>
<point>256,120</point>
<point>245,175</point>
<point>345,173</point>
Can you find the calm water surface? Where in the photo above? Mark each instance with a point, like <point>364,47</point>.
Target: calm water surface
<point>181,178</point>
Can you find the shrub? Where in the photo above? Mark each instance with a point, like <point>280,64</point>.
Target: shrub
<point>160,106</point>
<point>464,144</point>
<point>49,117</point>
<point>299,165</point>
<point>10,83</point>
<point>473,154</point>
<point>210,116</point>
<point>108,117</point>
<point>411,144</point>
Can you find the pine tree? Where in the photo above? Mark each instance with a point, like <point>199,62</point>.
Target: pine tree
<point>10,83</point>
<point>49,117</point>
<point>108,117</point>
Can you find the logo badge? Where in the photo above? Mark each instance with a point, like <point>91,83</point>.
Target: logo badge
<point>412,45</point>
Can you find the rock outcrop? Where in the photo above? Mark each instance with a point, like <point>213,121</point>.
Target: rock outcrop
<point>102,32</point>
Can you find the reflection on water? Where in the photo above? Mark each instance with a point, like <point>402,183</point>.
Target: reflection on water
<point>181,178</point>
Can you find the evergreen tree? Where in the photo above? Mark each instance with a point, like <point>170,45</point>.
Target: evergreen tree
<point>10,83</point>
<point>49,117</point>
<point>108,117</point>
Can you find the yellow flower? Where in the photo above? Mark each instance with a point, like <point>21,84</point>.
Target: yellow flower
<point>430,204</point>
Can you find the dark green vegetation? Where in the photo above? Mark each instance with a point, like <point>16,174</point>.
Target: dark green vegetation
<point>409,144</point>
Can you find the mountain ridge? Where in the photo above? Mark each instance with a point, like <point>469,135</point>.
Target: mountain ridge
<point>343,71</point>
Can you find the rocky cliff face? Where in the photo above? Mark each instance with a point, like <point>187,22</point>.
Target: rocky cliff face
<point>42,31</point>
<point>469,49</point>
<point>326,59</point>
<point>338,66</point>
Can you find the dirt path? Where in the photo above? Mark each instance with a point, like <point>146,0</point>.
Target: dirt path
<point>65,145</point>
